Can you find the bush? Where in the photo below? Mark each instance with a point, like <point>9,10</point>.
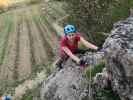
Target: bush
<point>106,94</point>
<point>101,94</point>
<point>28,96</point>
<point>98,15</point>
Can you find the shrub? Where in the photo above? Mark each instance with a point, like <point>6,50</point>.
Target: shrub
<point>96,15</point>
<point>106,94</point>
<point>96,69</point>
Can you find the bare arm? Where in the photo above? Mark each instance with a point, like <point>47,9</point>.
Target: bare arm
<point>69,53</point>
<point>88,44</point>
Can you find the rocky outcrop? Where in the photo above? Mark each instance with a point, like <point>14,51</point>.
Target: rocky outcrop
<point>69,83</point>
<point>119,55</point>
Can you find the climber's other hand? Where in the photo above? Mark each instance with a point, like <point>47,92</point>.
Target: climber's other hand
<point>101,50</point>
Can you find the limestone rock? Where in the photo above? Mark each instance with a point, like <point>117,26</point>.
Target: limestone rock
<point>119,55</point>
<point>69,83</point>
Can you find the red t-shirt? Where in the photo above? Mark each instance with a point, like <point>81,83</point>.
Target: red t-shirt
<point>72,47</point>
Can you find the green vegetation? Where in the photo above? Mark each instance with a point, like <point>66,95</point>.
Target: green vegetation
<point>102,94</point>
<point>96,15</point>
<point>28,96</point>
<point>106,94</point>
<point>96,69</point>
<point>9,20</point>
<point>4,34</point>
<point>97,37</point>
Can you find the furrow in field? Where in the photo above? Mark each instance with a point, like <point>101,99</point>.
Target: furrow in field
<point>1,23</point>
<point>33,61</point>
<point>16,75</point>
<point>24,62</point>
<point>44,34</point>
<point>10,56</point>
<point>5,71</point>
<point>39,51</point>
<point>49,35</point>
<point>4,35</point>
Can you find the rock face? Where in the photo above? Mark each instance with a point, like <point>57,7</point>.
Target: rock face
<point>119,54</point>
<point>69,83</point>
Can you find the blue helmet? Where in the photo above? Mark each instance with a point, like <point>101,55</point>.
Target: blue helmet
<point>69,29</point>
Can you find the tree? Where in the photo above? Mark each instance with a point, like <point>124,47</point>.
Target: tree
<point>97,15</point>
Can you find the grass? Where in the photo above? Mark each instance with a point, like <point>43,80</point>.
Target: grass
<point>93,71</point>
<point>102,94</point>
<point>98,38</point>
<point>81,45</point>
<point>106,94</point>
<point>28,96</point>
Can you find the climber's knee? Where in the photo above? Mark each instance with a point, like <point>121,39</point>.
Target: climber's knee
<point>58,63</point>
<point>61,60</point>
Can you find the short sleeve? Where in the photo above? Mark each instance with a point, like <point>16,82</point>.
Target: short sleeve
<point>62,42</point>
<point>78,37</point>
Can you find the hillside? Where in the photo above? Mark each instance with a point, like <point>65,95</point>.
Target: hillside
<point>28,42</point>
<point>113,82</point>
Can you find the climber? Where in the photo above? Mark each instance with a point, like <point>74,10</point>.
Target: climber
<point>69,46</point>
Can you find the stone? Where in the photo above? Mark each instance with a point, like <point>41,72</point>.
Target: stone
<point>119,55</point>
<point>69,83</point>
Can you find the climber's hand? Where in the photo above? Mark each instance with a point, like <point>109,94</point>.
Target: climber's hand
<point>101,50</point>
<point>83,62</point>
<point>98,49</point>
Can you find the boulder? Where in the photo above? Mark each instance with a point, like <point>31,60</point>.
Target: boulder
<point>69,83</point>
<point>119,55</point>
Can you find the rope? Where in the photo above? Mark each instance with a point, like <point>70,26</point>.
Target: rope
<point>90,74</point>
<point>90,84</point>
<point>90,78</point>
<point>92,65</point>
